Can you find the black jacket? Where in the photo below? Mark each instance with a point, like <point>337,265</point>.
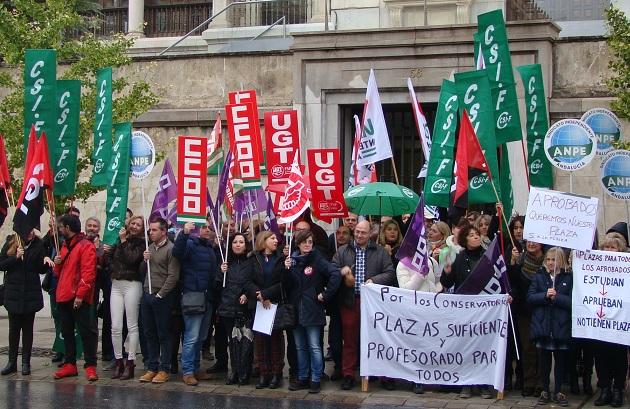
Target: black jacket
<point>309,276</point>
<point>461,268</point>
<point>271,292</point>
<point>23,291</point>
<point>126,258</point>
<point>550,318</point>
<point>238,281</point>
<point>198,264</point>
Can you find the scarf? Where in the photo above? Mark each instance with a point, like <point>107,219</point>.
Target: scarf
<point>531,264</point>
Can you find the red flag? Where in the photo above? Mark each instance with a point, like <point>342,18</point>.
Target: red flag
<point>468,160</point>
<point>45,157</point>
<point>296,196</point>
<point>5,176</point>
<point>30,206</point>
<point>326,186</point>
<point>30,148</point>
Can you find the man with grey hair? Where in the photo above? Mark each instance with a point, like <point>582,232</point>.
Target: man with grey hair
<point>361,262</point>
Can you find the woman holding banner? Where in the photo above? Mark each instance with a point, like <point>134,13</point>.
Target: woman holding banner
<point>549,296</point>
<point>311,281</point>
<point>522,268</point>
<point>611,360</point>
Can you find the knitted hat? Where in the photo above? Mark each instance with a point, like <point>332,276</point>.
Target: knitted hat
<point>621,228</point>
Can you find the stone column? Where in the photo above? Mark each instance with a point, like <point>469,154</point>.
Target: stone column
<point>221,21</point>
<point>463,12</point>
<point>318,11</point>
<point>395,15</point>
<point>136,18</point>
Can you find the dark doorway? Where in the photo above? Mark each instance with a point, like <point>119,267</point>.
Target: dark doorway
<point>404,140</point>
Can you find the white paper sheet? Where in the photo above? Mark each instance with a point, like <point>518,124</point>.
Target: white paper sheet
<point>263,321</point>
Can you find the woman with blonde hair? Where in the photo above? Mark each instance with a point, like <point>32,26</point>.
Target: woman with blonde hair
<point>390,238</point>
<point>436,237</point>
<point>483,225</point>
<point>267,269</point>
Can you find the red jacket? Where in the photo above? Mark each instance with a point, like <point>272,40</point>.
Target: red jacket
<point>77,271</point>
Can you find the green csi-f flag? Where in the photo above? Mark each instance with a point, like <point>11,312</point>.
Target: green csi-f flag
<point>118,185</point>
<point>498,64</point>
<point>65,143</point>
<point>473,94</point>
<point>40,110</point>
<point>102,150</point>
<point>539,168</point>
<point>437,186</point>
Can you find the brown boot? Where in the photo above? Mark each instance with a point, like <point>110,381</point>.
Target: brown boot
<point>118,369</point>
<point>201,375</point>
<point>190,380</point>
<point>128,372</point>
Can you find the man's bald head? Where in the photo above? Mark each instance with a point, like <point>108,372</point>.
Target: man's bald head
<point>362,233</point>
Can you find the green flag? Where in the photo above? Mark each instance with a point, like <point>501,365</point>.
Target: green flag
<point>65,144</point>
<point>437,186</point>
<point>118,185</point>
<point>473,94</point>
<point>505,181</point>
<point>102,128</point>
<point>40,109</point>
<point>539,168</point>
<point>498,64</point>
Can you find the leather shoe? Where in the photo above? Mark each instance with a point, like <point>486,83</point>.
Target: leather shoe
<point>275,382</point>
<point>263,382</point>
<point>298,385</point>
<point>26,368</point>
<point>118,369</point>
<point>418,388</point>
<point>348,383</point>
<point>605,397</point>
<point>10,368</point>
<point>243,381</point>
<point>128,372</point>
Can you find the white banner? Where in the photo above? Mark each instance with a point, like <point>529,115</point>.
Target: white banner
<point>561,219</point>
<point>440,339</point>
<point>601,296</point>
<point>374,144</point>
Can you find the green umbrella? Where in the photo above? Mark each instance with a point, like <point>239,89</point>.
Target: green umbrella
<point>382,198</point>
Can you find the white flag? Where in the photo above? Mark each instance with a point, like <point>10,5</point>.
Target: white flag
<point>480,64</point>
<point>359,174</point>
<point>423,128</point>
<point>374,144</point>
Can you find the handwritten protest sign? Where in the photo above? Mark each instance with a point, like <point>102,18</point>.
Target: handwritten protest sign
<point>601,295</point>
<point>561,219</point>
<point>443,339</point>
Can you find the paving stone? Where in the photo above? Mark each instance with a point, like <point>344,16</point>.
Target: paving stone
<point>385,400</point>
<point>354,399</point>
<point>426,403</point>
<point>460,404</point>
<point>477,406</point>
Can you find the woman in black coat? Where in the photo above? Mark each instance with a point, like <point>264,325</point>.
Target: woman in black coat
<point>550,297</point>
<point>310,282</point>
<point>267,268</point>
<point>22,264</point>
<point>235,307</point>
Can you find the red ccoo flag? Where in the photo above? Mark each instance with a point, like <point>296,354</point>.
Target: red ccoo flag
<point>45,157</point>
<point>30,148</point>
<point>469,161</point>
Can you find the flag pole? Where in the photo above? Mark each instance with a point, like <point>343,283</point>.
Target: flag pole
<point>51,210</point>
<point>499,202</point>
<point>146,236</point>
<point>526,164</point>
<point>394,168</point>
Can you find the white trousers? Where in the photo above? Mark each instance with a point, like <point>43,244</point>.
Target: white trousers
<point>125,298</point>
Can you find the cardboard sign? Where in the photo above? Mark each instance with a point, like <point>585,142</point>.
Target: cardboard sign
<point>561,219</point>
<point>601,294</point>
<point>282,140</point>
<point>326,184</point>
<point>434,339</point>
<point>244,138</point>
<point>192,152</point>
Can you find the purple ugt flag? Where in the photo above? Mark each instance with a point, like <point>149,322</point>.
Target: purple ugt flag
<point>489,275</point>
<point>223,180</point>
<point>413,250</point>
<point>166,195</point>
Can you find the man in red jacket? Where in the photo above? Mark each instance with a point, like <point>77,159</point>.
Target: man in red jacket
<point>75,268</point>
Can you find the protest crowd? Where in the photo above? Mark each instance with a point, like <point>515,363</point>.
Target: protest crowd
<point>321,276</point>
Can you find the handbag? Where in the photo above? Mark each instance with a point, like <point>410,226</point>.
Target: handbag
<point>285,313</point>
<point>194,302</point>
<point>47,281</point>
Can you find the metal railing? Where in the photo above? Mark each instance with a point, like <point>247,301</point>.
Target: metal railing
<point>282,20</point>
<point>250,14</point>
<point>174,20</point>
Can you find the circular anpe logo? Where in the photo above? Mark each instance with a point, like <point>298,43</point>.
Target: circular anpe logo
<point>570,144</point>
<point>615,174</point>
<point>606,127</point>
<point>142,155</point>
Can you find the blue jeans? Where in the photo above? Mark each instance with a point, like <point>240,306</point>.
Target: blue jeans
<point>309,352</point>
<point>195,333</point>
<point>156,319</point>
